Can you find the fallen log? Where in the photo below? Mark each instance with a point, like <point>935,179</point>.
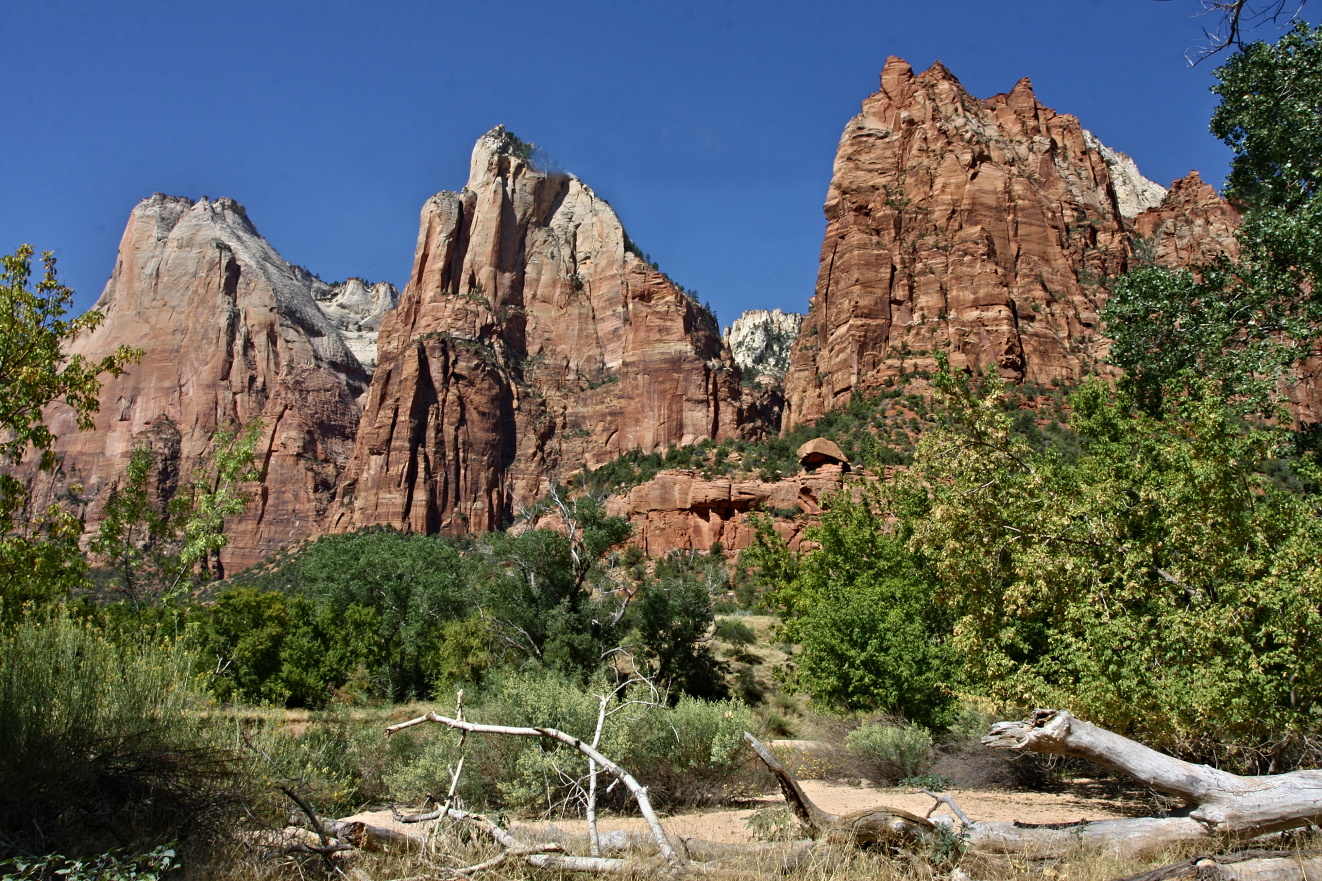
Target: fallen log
<point>1220,809</point>
<point>1227,806</point>
<point>1248,865</point>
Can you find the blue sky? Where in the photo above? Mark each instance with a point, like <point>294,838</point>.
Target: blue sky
<point>710,126</point>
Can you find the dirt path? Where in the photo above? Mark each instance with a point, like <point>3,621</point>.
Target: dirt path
<point>1083,801</point>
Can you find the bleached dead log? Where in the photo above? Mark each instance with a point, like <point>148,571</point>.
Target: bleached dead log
<point>1227,806</point>
<point>879,826</point>
<point>1248,865</point>
<point>1220,809</point>
<point>621,841</point>
<point>638,791</point>
<point>550,855</point>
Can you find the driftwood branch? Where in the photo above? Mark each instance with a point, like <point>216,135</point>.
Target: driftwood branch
<point>540,856</point>
<point>1226,805</point>
<point>638,791</point>
<point>1220,808</point>
<point>878,826</point>
<point>1245,865</point>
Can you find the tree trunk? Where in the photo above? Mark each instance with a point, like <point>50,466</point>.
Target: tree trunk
<point>1220,808</point>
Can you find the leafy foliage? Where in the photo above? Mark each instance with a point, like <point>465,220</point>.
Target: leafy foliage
<point>685,753</point>
<point>1158,584</point>
<point>673,617</point>
<point>538,589</point>
<point>38,545</point>
<point>153,554</point>
<point>859,605</point>
<point>891,752</point>
<point>365,613</point>
<point>1241,324</point>
<point>95,735</point>
<point>120,864</point>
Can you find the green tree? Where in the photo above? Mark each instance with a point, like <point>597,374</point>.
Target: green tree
<point>673,616</point>
<point>412,584</point>
<point>153,549</point>
<point>860,608</point>
<point>1157,582</point>
<point>1241,323</point>
<point>540,590</point>
<point>38,544</point>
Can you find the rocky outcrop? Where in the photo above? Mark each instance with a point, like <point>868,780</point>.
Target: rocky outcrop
<point>1134,193</point>
<point>680,510</point>
<point>1191,225</point>
<point>821,451</point>
<point>230,332</point>
<point>760,343</point>
<point>981,228</point>
<point>985,229</point>
<point>530,340</point>
<point>357,307</point>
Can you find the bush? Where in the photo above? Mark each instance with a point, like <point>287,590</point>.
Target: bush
<point>683,754</point>
<point>891,752</point>
<point>338,763</point>
<point>736,633</point>
<point>95,736</point>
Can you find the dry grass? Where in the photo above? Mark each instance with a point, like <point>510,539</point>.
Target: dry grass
<point>821,865</point>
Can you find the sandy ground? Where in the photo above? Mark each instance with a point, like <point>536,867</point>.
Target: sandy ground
<point>1083,801</point>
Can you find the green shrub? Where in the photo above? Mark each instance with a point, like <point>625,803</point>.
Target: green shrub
<point>338,763</point>
<point>683,754</point>
<point>891,752</point>
<point>120,864</point>
<point>94,736</point>
<point>736,632</point>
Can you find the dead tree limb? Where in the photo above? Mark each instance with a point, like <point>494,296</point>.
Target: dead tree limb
<point>1226,805</point>
<point>877,826</point>
<point>1245,865</point>
<point>1220,808</point>
<point>548,856</point>
<point>637,789</point>
<point>328,846</point>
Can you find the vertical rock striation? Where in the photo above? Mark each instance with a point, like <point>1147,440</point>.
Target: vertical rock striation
<point>530,340</point>
<point>981,228</point>
<point>230,332</point>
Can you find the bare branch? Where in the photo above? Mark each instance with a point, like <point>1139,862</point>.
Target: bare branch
<point>1237,17</point>
<point>638,790</point>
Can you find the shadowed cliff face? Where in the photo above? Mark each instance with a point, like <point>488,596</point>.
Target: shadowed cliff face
<point>230,332</point>
<point>530,340</point>
<point>982,228</point>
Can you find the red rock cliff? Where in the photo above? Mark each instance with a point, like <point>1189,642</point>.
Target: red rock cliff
<point>982,228</point>
<point>530,340</point>
<point>229,332</point>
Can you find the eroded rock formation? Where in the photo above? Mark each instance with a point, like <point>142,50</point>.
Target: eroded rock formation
<point>530,340</point>
<point>681,510</point>
<point>760,341</point>
<point>230,332</point>
<point>1191,225</point>
<point>357,307</point>
<point>982,228</point>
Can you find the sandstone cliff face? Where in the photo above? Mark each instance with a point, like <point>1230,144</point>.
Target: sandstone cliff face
<point>981,228</point>
<point>760,343</point>
<point>531,339</point>
<point>1191,225</point>
<point>230,332</point>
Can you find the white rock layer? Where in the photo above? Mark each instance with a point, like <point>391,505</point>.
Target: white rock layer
<point>760,341</point>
